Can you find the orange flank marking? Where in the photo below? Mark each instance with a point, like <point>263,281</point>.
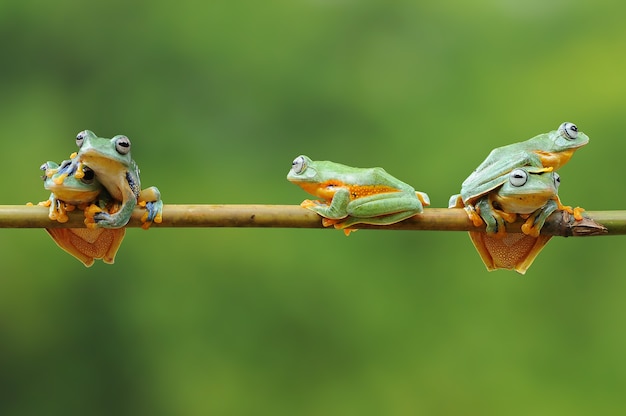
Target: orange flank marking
<point>326,190</point>
<point>360,191</point>
<point>555,160</point>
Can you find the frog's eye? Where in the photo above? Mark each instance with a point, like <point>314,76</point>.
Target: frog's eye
<point>568,130</point>
<point>518,177</point>
<point>557,180</point>
<point>80,138</point>
<point>89,175</point>
<point>122,145</point>
<point>298,165</point>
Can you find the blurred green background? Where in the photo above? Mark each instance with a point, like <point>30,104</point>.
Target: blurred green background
<point>218,98</point>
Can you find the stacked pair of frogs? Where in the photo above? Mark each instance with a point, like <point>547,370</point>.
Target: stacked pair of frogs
<point>103,180</point>
<point>518,180</point>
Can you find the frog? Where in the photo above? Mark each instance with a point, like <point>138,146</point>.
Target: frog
<point>528,193</point>
<point>85,244</point>
<point>543,153</point>
<point>352,196</point>
<point>111,161</point>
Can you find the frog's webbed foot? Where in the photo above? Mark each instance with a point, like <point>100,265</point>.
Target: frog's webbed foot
<point>150,198</point>
<point>535,221</point>
<point>309,204</point>
<point>576,212</point>
<point>57,209</point>
<point>98,217</point>
<point>473,215</point>
<point>495,223</point>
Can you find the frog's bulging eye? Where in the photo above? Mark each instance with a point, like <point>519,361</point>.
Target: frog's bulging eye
<point>80,138</point>
<point>122,145</point>
<point>557,180</point>
<point>518,177</point>
<point>89,175</point>
<point>568,130</point>
<point>298,165</point>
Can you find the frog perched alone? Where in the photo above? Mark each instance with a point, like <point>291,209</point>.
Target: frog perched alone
<point>114,168</point>
<point>85,244</point>
<point>355,195</point>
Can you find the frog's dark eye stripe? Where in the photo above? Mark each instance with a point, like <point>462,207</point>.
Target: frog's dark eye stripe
<point>518,177</point>
<point>80,138</point>
<point>568,130</point>
<point>557,180</point>
<point>298,165</point>
<point>122,145</point>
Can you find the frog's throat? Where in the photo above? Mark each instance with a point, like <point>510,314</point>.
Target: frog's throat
<point>555,160</point>
<point>110,173</point>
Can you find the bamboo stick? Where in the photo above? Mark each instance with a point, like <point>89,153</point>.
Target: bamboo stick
<point>294,216</point>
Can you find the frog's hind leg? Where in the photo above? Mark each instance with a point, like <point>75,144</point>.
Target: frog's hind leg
<point>380,220</point>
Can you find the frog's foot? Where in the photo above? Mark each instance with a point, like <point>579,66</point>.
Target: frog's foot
<point>576,212</point>
<point>509,217</point>
<point>105,220</point>
<point>96,217</point>
<point>150,198</point>
<point>154,213</point>
<point>307,203</point>
<point>530,228</point>
<point>495,223</point>
<point>59,179</point>
<point>473,215</point>
<point>90,213</point>
<point>327,222</point>
<point>57,209</point>
<point>80,172</point>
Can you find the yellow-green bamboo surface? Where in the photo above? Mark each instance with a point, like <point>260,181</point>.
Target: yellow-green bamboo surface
<point>294,216</point>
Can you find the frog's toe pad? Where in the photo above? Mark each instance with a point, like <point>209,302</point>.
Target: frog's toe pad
<point>578,213</point>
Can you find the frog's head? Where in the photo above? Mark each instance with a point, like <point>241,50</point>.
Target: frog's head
<point>303,170</point>
<point>528,181</point>
<point>527,190</point>
<point>568,137</point>
<point>70,189</point>
<point>116,149</point>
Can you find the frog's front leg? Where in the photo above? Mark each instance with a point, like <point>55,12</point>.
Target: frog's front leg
<point>337,209</point>
<point>576,212</point>
<point>533,225</point>
<point>492,218</point>
<point>150,198</point>
<point>57,209</point>
<point>117,220</point>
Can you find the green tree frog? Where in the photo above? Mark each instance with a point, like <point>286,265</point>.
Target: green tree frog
<point>528,193</point>
<point>85,244</point>
<point>545,152</point>
<point>353,196</point>
<point>114,168</point>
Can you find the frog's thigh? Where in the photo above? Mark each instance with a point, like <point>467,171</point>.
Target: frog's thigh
<point>379,220</point>
<point>337,208</point>
<point>501,166</point>
<point>382,204</point>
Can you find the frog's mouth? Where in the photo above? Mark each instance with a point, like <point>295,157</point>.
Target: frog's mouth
<point>522,204</point>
